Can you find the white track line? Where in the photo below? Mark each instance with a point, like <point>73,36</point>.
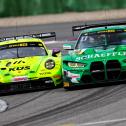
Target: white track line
<point>102,122</point>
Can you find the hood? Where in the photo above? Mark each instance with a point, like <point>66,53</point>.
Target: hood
<point>98,53</point>
<point>20,66</point>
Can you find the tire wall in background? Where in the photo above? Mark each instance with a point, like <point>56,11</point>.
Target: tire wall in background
<point>36,7</point>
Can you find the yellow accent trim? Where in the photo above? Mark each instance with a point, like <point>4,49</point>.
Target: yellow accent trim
<point>66,84</point>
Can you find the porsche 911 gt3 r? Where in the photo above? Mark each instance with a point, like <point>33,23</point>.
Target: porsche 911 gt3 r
<point>99,55</point>
<point>27,64</point>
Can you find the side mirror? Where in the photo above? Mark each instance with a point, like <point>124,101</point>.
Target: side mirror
<point>55,51</point>
<point>68,46</point>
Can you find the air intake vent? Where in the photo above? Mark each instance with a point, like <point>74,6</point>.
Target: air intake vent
<point>97,70</point>
<point>113,69</point>
<point>86,79</point>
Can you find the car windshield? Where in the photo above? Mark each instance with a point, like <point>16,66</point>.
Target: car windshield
<point>87,40</point>
<point>19,52</point>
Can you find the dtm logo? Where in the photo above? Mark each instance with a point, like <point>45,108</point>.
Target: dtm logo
<point>19,68</point>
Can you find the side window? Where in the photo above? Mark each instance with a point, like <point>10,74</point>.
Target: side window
<point>122,37</point>
<point>91,40</point>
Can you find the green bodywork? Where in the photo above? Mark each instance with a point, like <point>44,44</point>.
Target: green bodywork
<point>98,64</point>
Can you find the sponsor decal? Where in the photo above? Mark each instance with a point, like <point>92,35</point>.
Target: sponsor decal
<point>18,62</point>
<point>48,81</point>
<point>15,62</point>
<point>24,44</point>
<point>22,78</point>
<point>73,75</point>
<point>19,68</point>
<point>106,31</point>
<point>102,55</point>
<point>57,76</point>
<point>74,80</point>
<point>18,45</point>
<point>45,73</point>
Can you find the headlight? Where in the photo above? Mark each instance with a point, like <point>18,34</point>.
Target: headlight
<point>50,64</point>
<point>72,64</point>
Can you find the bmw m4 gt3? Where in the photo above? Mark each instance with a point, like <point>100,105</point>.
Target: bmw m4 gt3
<point>99,55</point>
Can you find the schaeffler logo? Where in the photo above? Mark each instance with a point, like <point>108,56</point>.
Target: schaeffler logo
<point>102,55</point>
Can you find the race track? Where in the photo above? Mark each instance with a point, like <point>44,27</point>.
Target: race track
<point>99,106</point>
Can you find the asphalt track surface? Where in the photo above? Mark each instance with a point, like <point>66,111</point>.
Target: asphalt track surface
<point>99,106</point>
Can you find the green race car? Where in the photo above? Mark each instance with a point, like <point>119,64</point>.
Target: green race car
<point>27,64</point>
<point>99,55</point>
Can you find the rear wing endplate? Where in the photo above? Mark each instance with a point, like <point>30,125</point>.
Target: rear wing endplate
<point>78,28</point>
<point>87,26</point>
<point>39,35</point>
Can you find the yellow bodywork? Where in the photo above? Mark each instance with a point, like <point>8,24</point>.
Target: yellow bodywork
<point>29,68</point>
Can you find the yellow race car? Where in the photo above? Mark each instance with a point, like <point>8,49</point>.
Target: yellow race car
<point>27,64</point>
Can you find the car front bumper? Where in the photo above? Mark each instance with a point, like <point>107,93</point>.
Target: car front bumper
<point>38,84</point>
<point>79,79</point>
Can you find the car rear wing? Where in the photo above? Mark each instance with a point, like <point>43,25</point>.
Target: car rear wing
<point>39,35</point>
<point>78,28</point>
<point>45,35</point>
<point>84,27</point>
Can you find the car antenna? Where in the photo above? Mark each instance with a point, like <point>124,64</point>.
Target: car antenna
<point>106,25</point>
<point>106,16</point>
<point>16,29</point>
